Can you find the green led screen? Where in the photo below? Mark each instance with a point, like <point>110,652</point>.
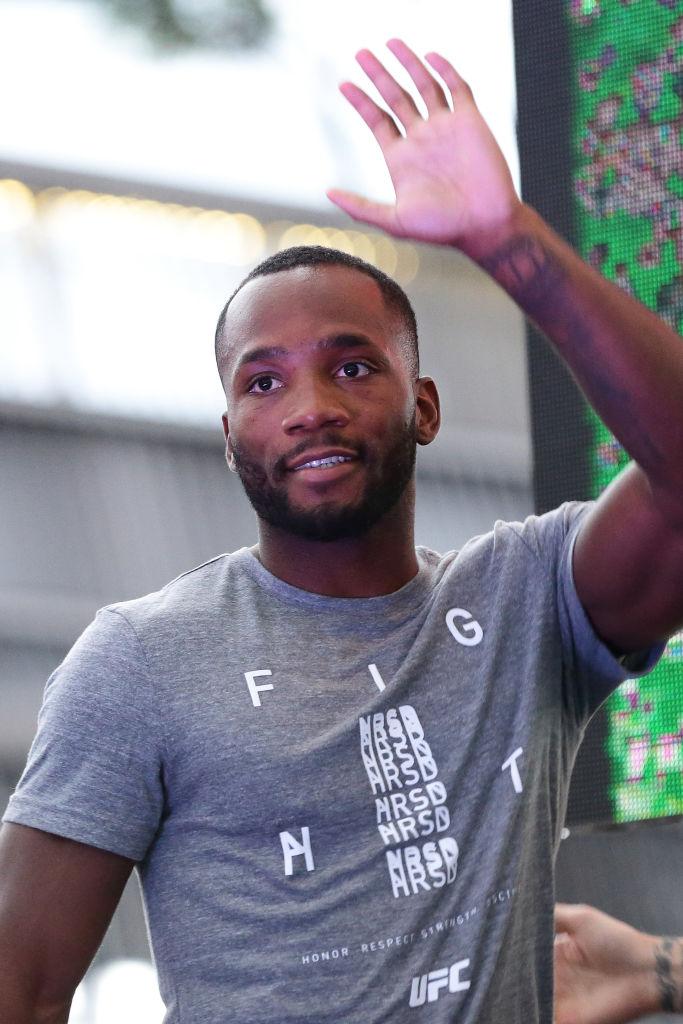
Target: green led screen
<point>627,149</point>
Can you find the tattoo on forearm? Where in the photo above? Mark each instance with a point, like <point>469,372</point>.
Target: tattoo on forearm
<point>529,272</point>
<point>534,278</point>
<point>671,990</point>
<point>532,275</point>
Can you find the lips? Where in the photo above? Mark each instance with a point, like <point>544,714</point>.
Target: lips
<point>321,459</point>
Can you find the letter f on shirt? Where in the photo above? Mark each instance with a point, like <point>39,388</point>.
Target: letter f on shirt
<point>254,688</point>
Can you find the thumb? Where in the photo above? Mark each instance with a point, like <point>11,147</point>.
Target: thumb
<point>380,215</point>
<point>566,918</point>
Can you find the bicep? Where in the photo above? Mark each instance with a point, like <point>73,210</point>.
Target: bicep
<point>628,565</point>
<point>57,898</point>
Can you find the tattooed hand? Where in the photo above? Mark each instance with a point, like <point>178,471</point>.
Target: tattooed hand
<point>607,972</point>
<point>451,180</point>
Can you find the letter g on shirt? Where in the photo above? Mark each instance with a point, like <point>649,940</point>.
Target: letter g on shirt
<point>463,627</point>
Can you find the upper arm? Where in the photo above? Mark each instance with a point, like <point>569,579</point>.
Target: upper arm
<point>57,897</point>
<point>628,565</point>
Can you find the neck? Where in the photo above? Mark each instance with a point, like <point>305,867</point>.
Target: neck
<point>379,562</point>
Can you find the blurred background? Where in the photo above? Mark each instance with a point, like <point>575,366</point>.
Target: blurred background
<point>151,152</point>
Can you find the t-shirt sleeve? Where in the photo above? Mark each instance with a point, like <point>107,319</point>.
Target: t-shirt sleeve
<point>591,671</point>
<point>94,771</point>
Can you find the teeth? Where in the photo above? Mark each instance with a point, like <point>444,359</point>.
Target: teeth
<point>331,461</point>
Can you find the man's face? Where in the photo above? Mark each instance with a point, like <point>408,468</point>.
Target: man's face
<point>321,418</point>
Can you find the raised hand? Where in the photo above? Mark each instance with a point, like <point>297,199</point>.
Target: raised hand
<point>451,180</point>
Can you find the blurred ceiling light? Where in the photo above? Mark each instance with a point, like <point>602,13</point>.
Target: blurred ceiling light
<point>302,234</point>
<point>17,205</point>
<point>363,245</point>
<point>386,255</point>
<point>340,240</point>
<point>408,264</point>
<point>209,236</point>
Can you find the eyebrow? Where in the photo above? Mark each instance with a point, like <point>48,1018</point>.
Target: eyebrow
<point>328,344</point>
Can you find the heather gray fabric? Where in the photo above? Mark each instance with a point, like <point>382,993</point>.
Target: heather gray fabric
<point>346,810</point>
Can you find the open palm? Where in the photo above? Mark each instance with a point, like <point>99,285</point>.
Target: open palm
<point>449,175</point>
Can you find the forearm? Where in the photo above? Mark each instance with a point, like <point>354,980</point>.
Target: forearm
<point>655,975</point>
<point>668,970</point>
<point>627,361</point>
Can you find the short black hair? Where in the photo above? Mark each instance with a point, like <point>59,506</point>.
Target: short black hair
<point>320,255</point>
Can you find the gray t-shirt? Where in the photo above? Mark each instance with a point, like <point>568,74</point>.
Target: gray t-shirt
<point>344,809</point>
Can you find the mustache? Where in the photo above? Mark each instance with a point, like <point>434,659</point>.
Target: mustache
<point>328,440</point>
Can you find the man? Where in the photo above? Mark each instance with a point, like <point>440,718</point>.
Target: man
<point>341,762</point>
<point>608,973</point>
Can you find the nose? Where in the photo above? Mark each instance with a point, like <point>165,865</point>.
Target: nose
<point>314,405</point>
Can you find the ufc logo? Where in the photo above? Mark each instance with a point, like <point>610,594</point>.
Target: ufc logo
<point>428,987</point>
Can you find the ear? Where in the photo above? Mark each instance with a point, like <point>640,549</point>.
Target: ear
<point>427,410</point>
<point>229,453</point>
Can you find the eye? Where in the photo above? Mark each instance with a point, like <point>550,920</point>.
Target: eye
<point>264,385</point>
<point>354,369</point>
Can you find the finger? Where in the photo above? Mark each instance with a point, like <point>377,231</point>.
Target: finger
<point>429,89</point>
<point>400,102</point>
<point>381,124</point>
<point>380,215</point>
<point>459,89</point>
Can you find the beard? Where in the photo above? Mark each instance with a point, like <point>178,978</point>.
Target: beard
<point>387,476</point>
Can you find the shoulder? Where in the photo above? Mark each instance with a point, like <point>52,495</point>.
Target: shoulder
<point>538,541</point>
<point>536,537</point>
<point>187,598</point>
<point>545,536</point>
<point>125,647</point>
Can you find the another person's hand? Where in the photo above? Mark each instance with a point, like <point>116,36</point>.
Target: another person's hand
<point>451,180</point>
<point>607,972</point>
